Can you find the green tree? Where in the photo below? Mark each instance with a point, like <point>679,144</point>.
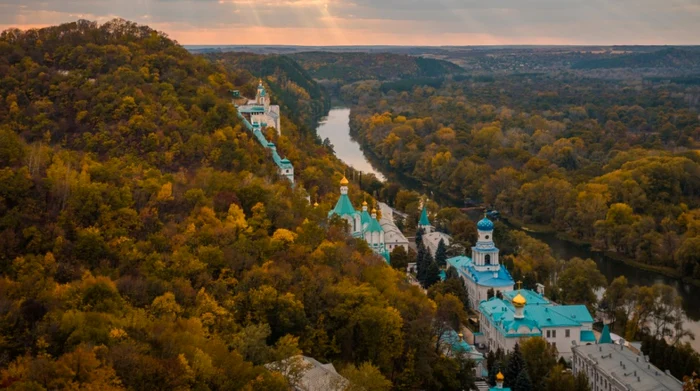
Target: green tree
<point>432,275</point>
<point>441,254</point>
<point>581,278</point>
<point>514,367</point>
<point>366,377</point>
<point>539,357</point>
<point>399,258</point>
<point>523,383</point>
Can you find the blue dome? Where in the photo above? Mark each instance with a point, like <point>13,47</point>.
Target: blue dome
<point>484,225</point>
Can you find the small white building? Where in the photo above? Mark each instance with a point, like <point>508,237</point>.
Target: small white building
<point>261,111</point>
<point>431,238</point>
<point>393,237</point>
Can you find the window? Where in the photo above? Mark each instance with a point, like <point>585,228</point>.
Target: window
<point>487,259</point>
<point>567,333</point>
<point>554,333</point>
<point>548,333</point>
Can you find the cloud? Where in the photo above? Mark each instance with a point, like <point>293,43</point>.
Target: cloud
<point>408,22</point>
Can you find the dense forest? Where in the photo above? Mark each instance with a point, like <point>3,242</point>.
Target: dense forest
<point>350,67</point>
<point>666,58</point>
<point>146,241</point>
<point>608,162</point>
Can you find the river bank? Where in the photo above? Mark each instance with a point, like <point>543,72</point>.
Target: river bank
<point>548,229</point>
<point>339,133</point>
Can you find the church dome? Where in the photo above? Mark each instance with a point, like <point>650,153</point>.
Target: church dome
<point>484,225</point>
<point>500,377</point>
<point>519,301</point>
<point>344,181</point>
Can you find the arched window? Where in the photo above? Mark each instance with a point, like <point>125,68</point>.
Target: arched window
<point>487,259</point>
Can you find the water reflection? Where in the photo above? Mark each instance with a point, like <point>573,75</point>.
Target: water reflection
<point>336,127</point>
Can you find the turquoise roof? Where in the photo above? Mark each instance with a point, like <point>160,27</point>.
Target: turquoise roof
<point>549,316</point>
<point>502,315</point>
<point>484,224</point>
<point>577,312</point>
<point>424,217</point>
<point>587,336</point>
<point>247,109</point>
<point>465,267</point>
<point>343,207</point>
<point>605,335</point>
<point>538,313</point>
<point>374,226</point>
<point>500,389</point>
<point>365,218</point>
<point>460,346</point>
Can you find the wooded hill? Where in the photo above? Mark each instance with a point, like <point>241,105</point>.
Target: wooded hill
<point>350,67</point>
<point>147,242</point>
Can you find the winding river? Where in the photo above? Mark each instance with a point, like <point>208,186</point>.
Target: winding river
<point>336,127</point>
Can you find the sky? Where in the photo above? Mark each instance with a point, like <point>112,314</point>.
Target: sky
<point>383,22</point>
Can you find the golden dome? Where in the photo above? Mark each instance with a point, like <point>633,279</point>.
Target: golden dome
<point>374,211</point>
<point>344,181</point>
<point>315,204</point>
<point>519,300</point>
<point>500,377</point>
<point>364,203</point>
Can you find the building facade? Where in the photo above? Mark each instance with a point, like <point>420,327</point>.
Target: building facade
<point>612,367</point>
<point>360,224</point>
<point>523,314</point>
<point>261,111</point>
<point>393,237</point>
<point>483,271</point>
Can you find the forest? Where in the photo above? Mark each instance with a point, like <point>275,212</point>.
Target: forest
<point>613,163</point>
<point>351,67</point>
<point>146,241</point>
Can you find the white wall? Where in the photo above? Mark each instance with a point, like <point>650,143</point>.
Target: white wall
<point>562,342</point>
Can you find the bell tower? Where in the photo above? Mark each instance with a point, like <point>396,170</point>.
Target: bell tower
<point>485,253</point>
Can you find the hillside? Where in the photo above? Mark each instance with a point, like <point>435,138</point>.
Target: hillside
<point>147,243</point>
<point>350,67</point>
<point>293,87</point>
<point>665,58</point>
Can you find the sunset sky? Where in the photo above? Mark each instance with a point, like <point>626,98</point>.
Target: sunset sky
<point>393,22</point>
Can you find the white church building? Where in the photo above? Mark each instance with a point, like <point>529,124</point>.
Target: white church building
<point>483,271</point>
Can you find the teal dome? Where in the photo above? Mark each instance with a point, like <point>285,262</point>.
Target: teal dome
<point>484,225</point>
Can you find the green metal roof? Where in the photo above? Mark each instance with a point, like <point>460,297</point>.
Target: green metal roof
<point>587,336</point>
<point>365,218</point>
<point>424,217</point>
<point>605,335</point>
<point>374,226</point>
<point>343,207</point>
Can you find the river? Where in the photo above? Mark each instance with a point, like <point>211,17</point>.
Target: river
<point>336,127</point>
